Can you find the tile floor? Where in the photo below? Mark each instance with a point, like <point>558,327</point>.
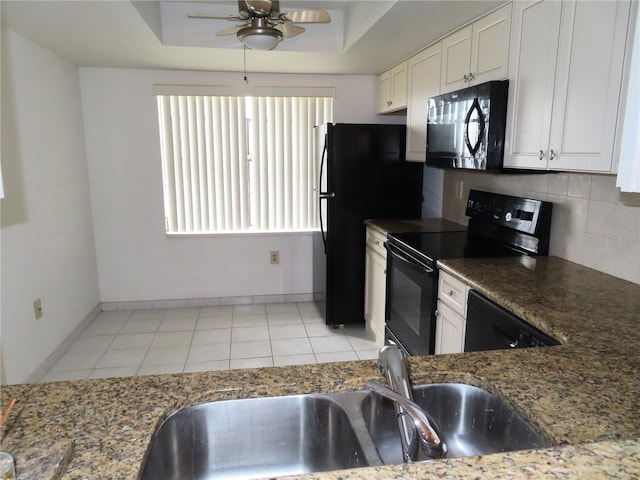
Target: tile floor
<point>142,342</point>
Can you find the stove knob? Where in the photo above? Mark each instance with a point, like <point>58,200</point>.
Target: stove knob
<point>508,216</point>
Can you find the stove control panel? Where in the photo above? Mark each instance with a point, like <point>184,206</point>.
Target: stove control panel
<point>521,214</point>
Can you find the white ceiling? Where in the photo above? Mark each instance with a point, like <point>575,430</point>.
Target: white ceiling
<point>364,37</point>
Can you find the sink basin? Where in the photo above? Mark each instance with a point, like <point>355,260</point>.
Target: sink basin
<point>254,438</point>
<point>471,420</point>
<point>277,436</point>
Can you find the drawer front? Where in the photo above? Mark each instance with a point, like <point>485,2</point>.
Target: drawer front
<point>453,293</point>
<point>376,240</point>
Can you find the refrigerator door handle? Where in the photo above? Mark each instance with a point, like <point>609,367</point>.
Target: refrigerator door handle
<point>323,195</point>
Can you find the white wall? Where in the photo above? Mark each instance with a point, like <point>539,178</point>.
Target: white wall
<point>136,262</point>
<point>47,238</point>
<point>592,222</point>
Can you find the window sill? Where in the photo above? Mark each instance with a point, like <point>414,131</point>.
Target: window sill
<point>175,236</point>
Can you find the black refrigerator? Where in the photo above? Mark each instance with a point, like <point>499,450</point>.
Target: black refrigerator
<point>361,173</point>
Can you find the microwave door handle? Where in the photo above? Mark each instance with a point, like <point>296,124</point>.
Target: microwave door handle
<point>473,149</point>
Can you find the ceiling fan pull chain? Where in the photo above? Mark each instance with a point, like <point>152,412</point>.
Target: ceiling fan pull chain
<point>244,54</point>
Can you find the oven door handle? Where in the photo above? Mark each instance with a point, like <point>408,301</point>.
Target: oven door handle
<point>406,258</point>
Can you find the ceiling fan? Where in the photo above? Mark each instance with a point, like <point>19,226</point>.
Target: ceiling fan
<point>264,26</point>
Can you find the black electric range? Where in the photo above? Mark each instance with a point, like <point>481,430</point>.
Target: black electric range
<point>499,226</point>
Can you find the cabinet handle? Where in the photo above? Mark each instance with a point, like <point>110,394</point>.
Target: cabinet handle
<point>552,154</point>
<point>541,155</point>
<point>465,78</point>
<point>377,242</point>
<point>389,103</point>
<point>450,293</point>
<point>471,77</point>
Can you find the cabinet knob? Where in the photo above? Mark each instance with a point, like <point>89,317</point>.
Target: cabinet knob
<point>450,293</point>
<point>552,154</point>
<point>465,78</point>
<point>389,103</point>
<point>471,76</point>
<point>541,155</point>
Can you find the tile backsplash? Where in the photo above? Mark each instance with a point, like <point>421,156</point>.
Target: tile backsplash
<point>594,224</point>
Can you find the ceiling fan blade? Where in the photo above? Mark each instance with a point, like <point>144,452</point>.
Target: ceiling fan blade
<point>230,30</point>
<point>259,7</point>
<point>206,16</point>
<point>307,16</point>
<point>289,29</point>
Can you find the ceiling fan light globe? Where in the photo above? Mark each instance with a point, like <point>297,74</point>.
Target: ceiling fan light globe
<point>260,38</point>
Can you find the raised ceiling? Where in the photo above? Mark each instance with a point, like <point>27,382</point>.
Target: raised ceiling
<point>364,37</point>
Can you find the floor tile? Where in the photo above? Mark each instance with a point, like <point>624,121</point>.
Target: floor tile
<point>78,361</point>
<point>132,340</point>
<point>367,354</point>
<point>281,307</point>
<point>336,357</point>
<point>239,310</point>
<point>208,323</point>
<point>168,339</point>
<point>141,325</point>
<point>259,348</point>
<point>207,353</point>
<point>247,334</point>
<point>221,311</point>
<point>113,372</point>
<point>331,344</point>
<point>101,326</point>
<point>279,332</point>
<point>294,346</point>
<point>65,375</point>
<point>164,355</point>
<point>161,369</point>
<point>304,359</point>
<point>252,320</point>
<point>206,366</point>
<point>257,362</point>
<point>92,344</point>
<point>171,339</point>
<point>122,358</point>
<point>322,330</point>
<point>177,324</point>
<point>208,337</point>
<point>284,318</point>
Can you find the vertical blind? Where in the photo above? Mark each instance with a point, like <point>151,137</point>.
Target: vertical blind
<point>239,163</point>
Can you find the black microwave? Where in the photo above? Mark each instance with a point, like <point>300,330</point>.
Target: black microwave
<point>466,128</point>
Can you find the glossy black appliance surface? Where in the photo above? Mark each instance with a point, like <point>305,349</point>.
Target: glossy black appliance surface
<point>499,226</point>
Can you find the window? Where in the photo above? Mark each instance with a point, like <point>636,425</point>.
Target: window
<point>238,163</point>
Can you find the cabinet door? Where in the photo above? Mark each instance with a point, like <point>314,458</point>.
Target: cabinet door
<point>375,293</point>
<point>450,330</point>
<point>535,30</point>
<point>384,91</point>
<point>399,86</point>
<point>423,82</point>
<point>456,60</point>
<point>490,46</point>
<point>588,83</point>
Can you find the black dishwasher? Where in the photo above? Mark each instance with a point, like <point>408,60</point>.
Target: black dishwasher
<point>491,327</point>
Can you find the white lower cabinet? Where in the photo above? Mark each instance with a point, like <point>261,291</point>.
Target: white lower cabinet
<point>451,314</point>
<point>375,284</point>
<point>450,329</point>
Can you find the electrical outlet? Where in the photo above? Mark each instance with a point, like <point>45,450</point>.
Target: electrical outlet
<point>37,308</point>
<point>459,189</point>
<point>275,257</point>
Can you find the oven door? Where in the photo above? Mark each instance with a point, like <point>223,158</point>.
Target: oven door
<point>411,300</point>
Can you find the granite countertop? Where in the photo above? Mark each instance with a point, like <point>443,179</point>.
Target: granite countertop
<point>425,225</point>
<point>582,396</point>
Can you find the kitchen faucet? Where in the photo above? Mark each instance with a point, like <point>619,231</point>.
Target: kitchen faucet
<point>417,428</point>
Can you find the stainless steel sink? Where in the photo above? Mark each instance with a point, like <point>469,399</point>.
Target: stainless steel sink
<point>255,438</point>
<point>471,420</point>
<point>277,436</point>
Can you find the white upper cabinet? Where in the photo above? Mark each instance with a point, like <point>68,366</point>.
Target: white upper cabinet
<point>392,89</point>
<point>565,72</point>
<point>423,82</point>
<point>477,53</point>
